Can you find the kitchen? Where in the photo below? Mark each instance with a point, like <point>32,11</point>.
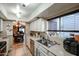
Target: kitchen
<point>39,29</point>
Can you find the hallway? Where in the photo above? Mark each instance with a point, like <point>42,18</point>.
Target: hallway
<point>19,50</point>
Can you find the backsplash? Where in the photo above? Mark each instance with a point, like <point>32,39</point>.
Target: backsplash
<point>5,24</point>
<point>2,34</point>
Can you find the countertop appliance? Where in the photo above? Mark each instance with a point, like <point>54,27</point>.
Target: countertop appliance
<point>71,46</point>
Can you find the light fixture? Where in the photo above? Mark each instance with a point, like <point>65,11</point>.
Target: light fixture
<point>17,8</point>
<point>18,11</point>
<point>25,4</point>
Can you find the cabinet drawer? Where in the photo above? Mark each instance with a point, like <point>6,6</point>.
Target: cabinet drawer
<point>50,54</point>
<point>42,53</point>
<point>43,49</point>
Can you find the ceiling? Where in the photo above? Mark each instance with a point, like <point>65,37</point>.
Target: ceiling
<point>58,9</point>
<point>25,12</point>
<point>30,12</point>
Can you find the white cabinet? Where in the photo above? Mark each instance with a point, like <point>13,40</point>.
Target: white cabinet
<point>1,25</point>
<point>38,25</point>
<point>50,54</point>
<point>42,51</point>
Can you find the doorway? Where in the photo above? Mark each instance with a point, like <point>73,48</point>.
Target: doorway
<point>18,32</point>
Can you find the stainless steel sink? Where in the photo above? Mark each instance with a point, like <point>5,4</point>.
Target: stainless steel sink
<point>47,43</point>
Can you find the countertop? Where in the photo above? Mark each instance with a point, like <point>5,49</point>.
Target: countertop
<point>5,39</point>
<point>58,50</point>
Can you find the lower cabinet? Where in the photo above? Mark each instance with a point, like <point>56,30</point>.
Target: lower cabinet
<point>50,54</point>
<point>32,47</point>
<point>41,51</point>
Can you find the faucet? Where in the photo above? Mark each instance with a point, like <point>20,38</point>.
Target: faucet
<point>56,43</point>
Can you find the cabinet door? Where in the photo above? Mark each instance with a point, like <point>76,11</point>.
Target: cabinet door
<point>43,49</point>
<point>42,25</point>
<point>50,54</point>
<point>41,53</point>
<point>38,25</point>
<point>34,26</point>
<point>1,25</point>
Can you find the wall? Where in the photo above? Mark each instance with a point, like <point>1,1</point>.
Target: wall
<point>5,24</point>
<point>39,10</point>
<point>27,34</point>
<point>2,9</point>
<point>4,33</point>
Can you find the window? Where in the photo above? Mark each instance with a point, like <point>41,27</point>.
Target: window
<point>68,22</point>
<point>53,24</point>
<point>76,15</point>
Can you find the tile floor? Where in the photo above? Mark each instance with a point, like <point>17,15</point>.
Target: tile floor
<point>19,50</point>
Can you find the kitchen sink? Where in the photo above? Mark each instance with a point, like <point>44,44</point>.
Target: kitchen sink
<point>47,43</point>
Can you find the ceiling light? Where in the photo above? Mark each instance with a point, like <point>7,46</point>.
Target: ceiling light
<point>18,11</point>
<point>18,8</point>
<point>25,4</point>
<point>18,15</point>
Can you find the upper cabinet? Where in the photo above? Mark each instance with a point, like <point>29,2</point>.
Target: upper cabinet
<point>1,25</point>
<point>38,25</point>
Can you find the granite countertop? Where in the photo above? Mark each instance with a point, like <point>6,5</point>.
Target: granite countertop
<point>34,38</point>
<point>58,50</point>
<point>3,39</point>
